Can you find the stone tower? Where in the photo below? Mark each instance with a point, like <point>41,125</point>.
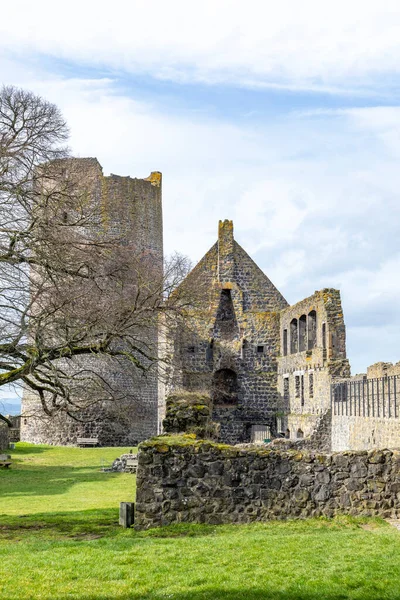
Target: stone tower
<point>131,209</point>
<point>230,347</point>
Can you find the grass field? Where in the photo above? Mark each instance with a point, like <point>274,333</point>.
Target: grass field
<point>59,539</point>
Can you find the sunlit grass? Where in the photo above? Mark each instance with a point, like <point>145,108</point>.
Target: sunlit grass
<point>59,539</point>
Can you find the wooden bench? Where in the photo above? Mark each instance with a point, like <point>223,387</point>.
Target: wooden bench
<point>5,460</point>
<point>87,441</point>
<point>131,463</point>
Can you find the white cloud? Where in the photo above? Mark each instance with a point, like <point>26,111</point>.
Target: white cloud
<point>299,45</point>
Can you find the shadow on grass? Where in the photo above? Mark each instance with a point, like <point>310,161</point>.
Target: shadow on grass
<point>35,480</point>
<point>23,450</point>
<point>61,525</point>
<point>83,524</point>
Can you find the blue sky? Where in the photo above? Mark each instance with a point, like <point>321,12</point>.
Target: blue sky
<point>284,118</point>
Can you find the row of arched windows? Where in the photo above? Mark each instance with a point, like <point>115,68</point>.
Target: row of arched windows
<point>302,334</point>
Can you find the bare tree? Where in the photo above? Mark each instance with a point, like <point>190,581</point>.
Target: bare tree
<point>67,288</point>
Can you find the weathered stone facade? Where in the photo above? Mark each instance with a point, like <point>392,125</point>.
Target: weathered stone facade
<point>313,354</point>
<point>229,348</point>
<point>268,366</point>
<point>130,210</point>
<point>184,480</point>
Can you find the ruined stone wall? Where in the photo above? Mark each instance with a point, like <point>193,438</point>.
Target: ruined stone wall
<point>313,354</point>
<point>383,369</point>
<point>128,210</point>
<point>184,480</point>
<point>233,335</point>
<point>366,410</point>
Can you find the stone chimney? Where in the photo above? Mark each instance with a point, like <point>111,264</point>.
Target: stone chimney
<point>225,251</point>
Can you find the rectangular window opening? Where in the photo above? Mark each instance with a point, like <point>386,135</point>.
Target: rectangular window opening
<point>297,386</point>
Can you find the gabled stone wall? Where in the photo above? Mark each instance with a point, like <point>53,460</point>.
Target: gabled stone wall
<point>230,344</point>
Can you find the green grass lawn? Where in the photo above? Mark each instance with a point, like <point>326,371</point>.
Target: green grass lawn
<point>59,539</point>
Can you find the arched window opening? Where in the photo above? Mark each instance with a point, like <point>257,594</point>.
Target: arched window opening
<point>312,329</point>
<point>293,336</point>
<point>225,319</point>
<point>300,434</point>
<point>225,388</point>
<point>226,311</point>
<point>324,336</point>
<point>285,342</point>
<point>302,333</point>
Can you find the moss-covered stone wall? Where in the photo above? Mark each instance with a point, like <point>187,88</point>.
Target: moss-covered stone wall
<point>181,479</point>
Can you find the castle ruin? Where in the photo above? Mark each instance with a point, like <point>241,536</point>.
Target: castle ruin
<point>271,370</point>
<point>129,209</point>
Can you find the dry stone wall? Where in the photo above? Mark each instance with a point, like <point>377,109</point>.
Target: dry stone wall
<point>184,480</point>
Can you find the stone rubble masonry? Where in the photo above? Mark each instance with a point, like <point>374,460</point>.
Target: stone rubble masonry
<point>359,433</point>
<point>383,369</point>
<point>181,479</point>
<point>131,209</point>
<point>234,336</point>
<point>314,367</point>
<point>190,412</point>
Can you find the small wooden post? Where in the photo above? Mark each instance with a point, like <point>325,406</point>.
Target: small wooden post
<point>126,514</point>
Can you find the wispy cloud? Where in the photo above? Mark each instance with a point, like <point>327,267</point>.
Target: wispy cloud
<point>340,46</point>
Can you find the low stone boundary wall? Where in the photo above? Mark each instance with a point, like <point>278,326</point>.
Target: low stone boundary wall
<point>180,479</point>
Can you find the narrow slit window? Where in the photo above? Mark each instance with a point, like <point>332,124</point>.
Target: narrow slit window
<point>324,336</point>
<point>285,338</point>
<point>297,386</point>
<point>311,385</point>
